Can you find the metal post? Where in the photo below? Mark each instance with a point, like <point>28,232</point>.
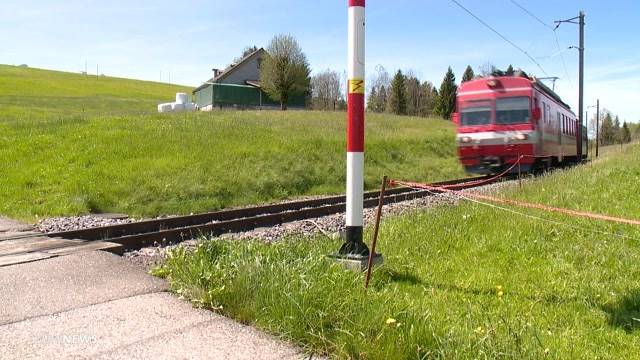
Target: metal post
<point>581,84</point>
<point>355,132</point>
<point>597,126</point>
<point>586,116</point>
<point>375,232</point>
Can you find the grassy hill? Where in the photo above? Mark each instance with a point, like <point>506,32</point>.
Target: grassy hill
<point>73,144</point>
<point>28,92</point>
<point>474,281</point>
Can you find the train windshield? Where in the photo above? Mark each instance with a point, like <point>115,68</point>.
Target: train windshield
<point>475,113</point>
<point>514,110</point>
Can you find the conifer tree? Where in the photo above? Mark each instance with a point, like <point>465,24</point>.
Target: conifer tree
<point>607,131</point>
<point>398,96</point>
<point>468,74</point>
<point>447,95</point>
<point>509,71</point>
<point>382,99</point>
<point>617,130</point>
<point>626,133</point>
<point>372,102</point>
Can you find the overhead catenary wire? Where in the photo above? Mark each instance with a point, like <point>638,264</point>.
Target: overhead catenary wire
<point>501,36</point>
<point>555,34</point>
<point>532,15</point>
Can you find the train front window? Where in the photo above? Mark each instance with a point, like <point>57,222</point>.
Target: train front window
<point>475,113</point>
<point>513,110</point>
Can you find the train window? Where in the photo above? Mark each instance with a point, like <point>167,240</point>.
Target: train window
<point>513,110</point>
<point>475,113</point>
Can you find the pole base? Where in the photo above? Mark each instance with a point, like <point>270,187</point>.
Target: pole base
<point>356,262</point>
<point>353,244</point>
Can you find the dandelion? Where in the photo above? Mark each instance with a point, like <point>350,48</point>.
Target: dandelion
<point>479,330</point>
<point>499,290</point>
<point>391,321</point>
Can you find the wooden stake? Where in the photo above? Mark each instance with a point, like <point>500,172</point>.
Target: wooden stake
<point>375,231</point>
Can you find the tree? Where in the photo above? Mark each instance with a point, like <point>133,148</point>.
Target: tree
<point>487,69</point>
<point>246,51</point>
<point>284,70</point>
<point>626,133</point>
<point>607,130</point>
<point>468,74</point>
<point>509,71</point>
<point>383,99</point>
<point>617,130</point>
<point>414,94</point>
<point>398,98</point>
<point>325,90</point>
<point>377,94</point>
<point>447,95</point>
<point>372,100</point>
<point>636,132</point>
<point>429,96</point>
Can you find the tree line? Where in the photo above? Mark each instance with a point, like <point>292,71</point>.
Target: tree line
<point>611,131</point>
<point>285,72</point>
<point>405,94</point>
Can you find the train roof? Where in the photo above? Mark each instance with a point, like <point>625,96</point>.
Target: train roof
<point>517,80</point>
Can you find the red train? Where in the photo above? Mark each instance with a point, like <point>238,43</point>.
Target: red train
<point>501,119</point>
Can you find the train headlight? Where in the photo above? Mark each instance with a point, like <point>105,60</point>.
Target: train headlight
<point>465,139</point>
<point>520,137</point>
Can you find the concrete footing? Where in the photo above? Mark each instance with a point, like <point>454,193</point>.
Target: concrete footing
<point>356,262</point>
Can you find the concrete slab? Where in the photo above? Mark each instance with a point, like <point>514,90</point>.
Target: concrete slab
<point>151,326</point>
<point>62,283</point>
<point>13,226</point>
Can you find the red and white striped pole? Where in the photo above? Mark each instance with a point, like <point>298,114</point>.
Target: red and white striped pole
<point>355,132</point>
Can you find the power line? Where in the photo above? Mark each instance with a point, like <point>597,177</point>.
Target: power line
<point>555,34</point>
<point>502,36</point>
<point>532,15</point>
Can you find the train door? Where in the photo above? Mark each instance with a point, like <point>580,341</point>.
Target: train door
<point>559,132</point>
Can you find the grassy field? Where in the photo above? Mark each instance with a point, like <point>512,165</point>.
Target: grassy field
<point>470,281</point>
<point>73,144</point>
<point>27,94</point>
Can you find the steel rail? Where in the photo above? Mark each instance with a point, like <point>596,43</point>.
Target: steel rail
<point>136,235</point>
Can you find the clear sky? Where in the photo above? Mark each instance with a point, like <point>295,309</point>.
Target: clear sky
<point>142,39</point>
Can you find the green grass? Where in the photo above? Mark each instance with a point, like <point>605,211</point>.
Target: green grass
<point>566,292</point>
<point>27,94</point>
<point>73,144</point>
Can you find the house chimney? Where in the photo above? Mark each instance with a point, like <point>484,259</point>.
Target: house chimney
<point>216,72</point>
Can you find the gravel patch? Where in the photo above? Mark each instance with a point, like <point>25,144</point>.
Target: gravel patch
<point>67,223</point>
<point>330,226</point>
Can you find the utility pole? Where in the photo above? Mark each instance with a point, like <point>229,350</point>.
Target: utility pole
<point>597,126</point>
<point>580,19</point>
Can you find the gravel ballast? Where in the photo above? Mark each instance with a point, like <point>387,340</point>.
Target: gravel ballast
<point>330,226</point>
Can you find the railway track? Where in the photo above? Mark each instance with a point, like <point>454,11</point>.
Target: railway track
<point>136,235</point>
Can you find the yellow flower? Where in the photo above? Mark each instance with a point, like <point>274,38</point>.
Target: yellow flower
<point>499,290</point>
<point>479,330</point>
<point>500,293</point>
<point>391,321</point>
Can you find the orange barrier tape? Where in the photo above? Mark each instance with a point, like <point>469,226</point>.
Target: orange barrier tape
<point>570,212</point>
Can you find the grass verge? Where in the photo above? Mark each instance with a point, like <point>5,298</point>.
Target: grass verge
<point>469,281</point>
<point>74,144</point>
